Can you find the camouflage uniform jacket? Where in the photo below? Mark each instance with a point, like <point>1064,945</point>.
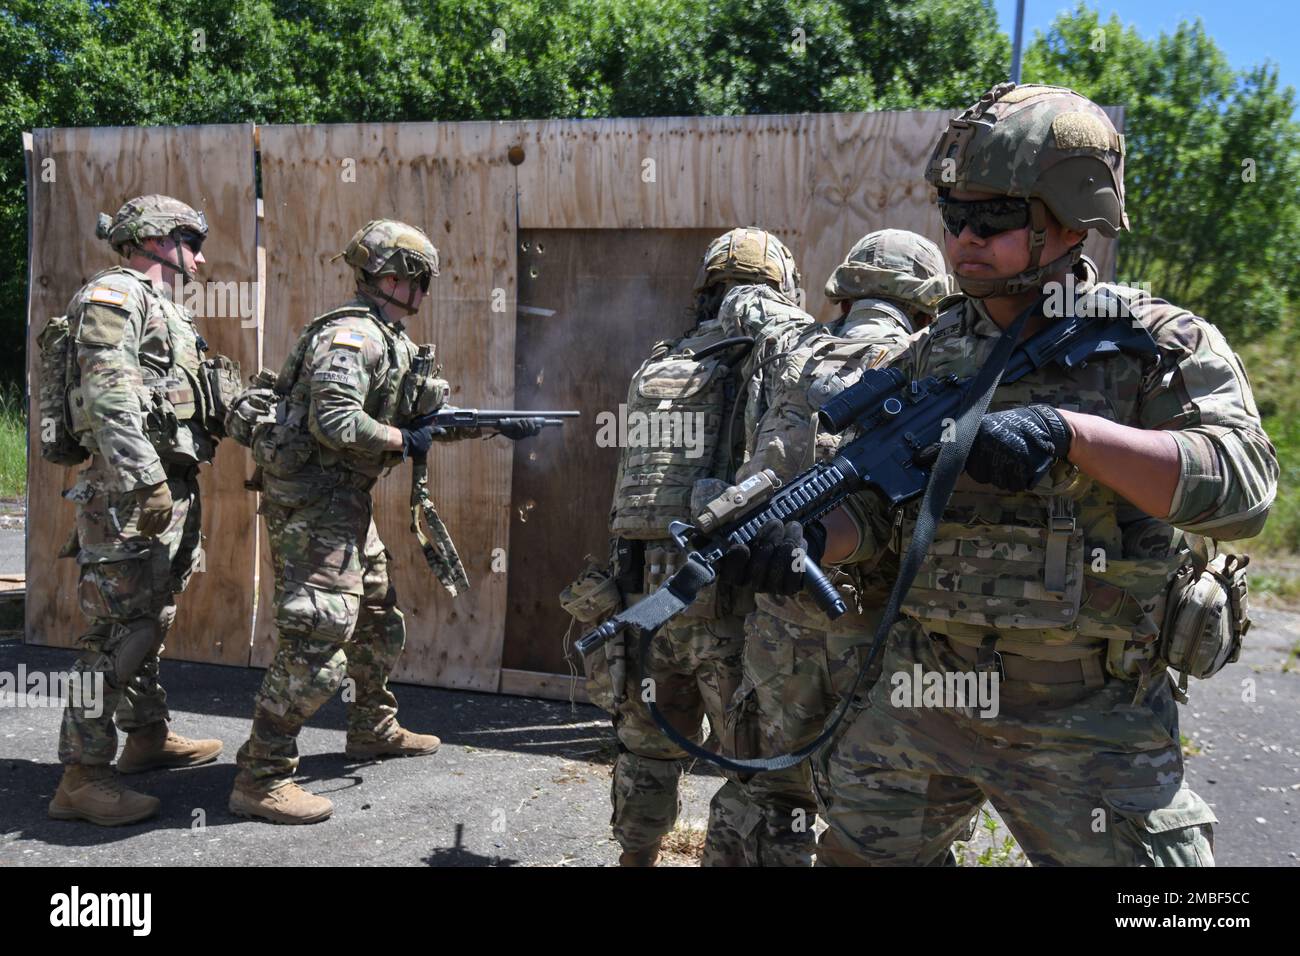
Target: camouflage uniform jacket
<point>1070,569</point>
<point>344,382</point>
<point>137,357</point>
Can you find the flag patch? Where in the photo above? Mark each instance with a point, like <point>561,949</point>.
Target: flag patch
<point>349,338</point>
<point>108,296</point>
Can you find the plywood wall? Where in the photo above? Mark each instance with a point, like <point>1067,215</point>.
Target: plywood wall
<point>75,175</point>
<point>595,227</point>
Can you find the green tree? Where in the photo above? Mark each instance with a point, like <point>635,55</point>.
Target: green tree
<point>1211,172</point>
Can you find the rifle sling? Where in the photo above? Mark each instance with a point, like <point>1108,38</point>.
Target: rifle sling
<point>440,553</point>
<point>947,469</point>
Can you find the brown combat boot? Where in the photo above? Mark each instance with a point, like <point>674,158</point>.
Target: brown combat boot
<point>649,856</point>
<point>402,743</point>
<point>287,803</point>
<point>156,746</point>
<point>97,795</point>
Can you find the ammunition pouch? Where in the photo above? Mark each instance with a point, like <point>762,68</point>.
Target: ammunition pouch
<point>283,447</point>
<point>218,387</point>
<point>1206,617</point>
<point>593,596</point>
<point>422,391</point>
<point>252,408</point>
<point>170,403</point>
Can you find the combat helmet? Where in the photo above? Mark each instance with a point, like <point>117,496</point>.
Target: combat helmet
<point>891,264</point>
<point>153,217</point>
<point>1047,144</point>
<point>749,255</point>
<point>387,247</point>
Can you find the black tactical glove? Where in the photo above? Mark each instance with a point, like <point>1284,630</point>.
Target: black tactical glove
<point>773,562</point>
<point>417,439</point>
<point>520,428</point>
<point>1015,448</point>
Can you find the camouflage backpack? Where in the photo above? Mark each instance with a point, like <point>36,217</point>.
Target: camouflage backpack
<point>59,444</point>
<point>678,407</point>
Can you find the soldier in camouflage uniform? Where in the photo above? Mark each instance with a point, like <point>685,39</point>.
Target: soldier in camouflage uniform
<point>746,286</point>
<point>1086,490</point>
<point>796,664</point>
<point>347,413</point>
<point>134,407</point>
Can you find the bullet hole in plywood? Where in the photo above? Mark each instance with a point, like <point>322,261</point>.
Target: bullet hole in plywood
<point>524,511</point>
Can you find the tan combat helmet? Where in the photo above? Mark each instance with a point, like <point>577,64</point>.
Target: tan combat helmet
<point>387,247</point>
<point>749,255</point>
<point>892,264</point>
<point>1047,144</point>
<point>153,217</point>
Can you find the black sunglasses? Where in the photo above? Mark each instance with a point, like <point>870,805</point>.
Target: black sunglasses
<point>986,217</point>
<point>191,239</point>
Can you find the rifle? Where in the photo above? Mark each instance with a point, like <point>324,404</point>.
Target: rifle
<point>491,418</point>
<point>897,420</point>
<point>440,553</point>
<point>899,423</point>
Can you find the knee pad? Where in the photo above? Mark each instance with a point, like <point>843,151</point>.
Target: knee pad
<point>136,641</point>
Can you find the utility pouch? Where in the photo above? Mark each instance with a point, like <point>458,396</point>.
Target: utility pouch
<point>252,408</point>
<point>1206,618</point>
<point>593,596</point>
<point>218,389</point>
<point>283,447</point>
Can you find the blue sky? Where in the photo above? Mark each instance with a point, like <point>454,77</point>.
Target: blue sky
<point>1248,31</point>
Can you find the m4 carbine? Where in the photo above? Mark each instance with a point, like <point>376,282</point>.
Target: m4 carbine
<point>899,423</point>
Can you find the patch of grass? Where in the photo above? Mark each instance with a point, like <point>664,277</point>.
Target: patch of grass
<point>997,851</point>
<point>13,442</point>
<point>685,840</point>
<point>1190,747</point>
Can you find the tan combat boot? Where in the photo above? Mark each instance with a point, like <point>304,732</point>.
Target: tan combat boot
<point>156,746</point>
<point>287,803</point>
<point>402,743</point>
<point>97,795</point>
<point>649,856</point>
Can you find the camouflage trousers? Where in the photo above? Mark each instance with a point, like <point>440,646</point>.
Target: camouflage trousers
<point>1080,775</point>
<point>693,671</point>
<point>793,678</point>
<point>126,588</point>
<point>336,616</point>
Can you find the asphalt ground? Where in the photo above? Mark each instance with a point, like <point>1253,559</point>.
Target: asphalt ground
<point>522,782</point>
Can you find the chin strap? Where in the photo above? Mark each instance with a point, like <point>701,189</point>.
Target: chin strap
<point>173,264</point>
<point>1032,278</point>
<point>408,305</point>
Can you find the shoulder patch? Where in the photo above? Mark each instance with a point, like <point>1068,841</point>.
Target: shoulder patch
<point>113,297</point>
<point>348,338</point>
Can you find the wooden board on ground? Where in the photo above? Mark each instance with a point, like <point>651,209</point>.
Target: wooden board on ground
<point>76,174</point>
<point>321,184</point>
